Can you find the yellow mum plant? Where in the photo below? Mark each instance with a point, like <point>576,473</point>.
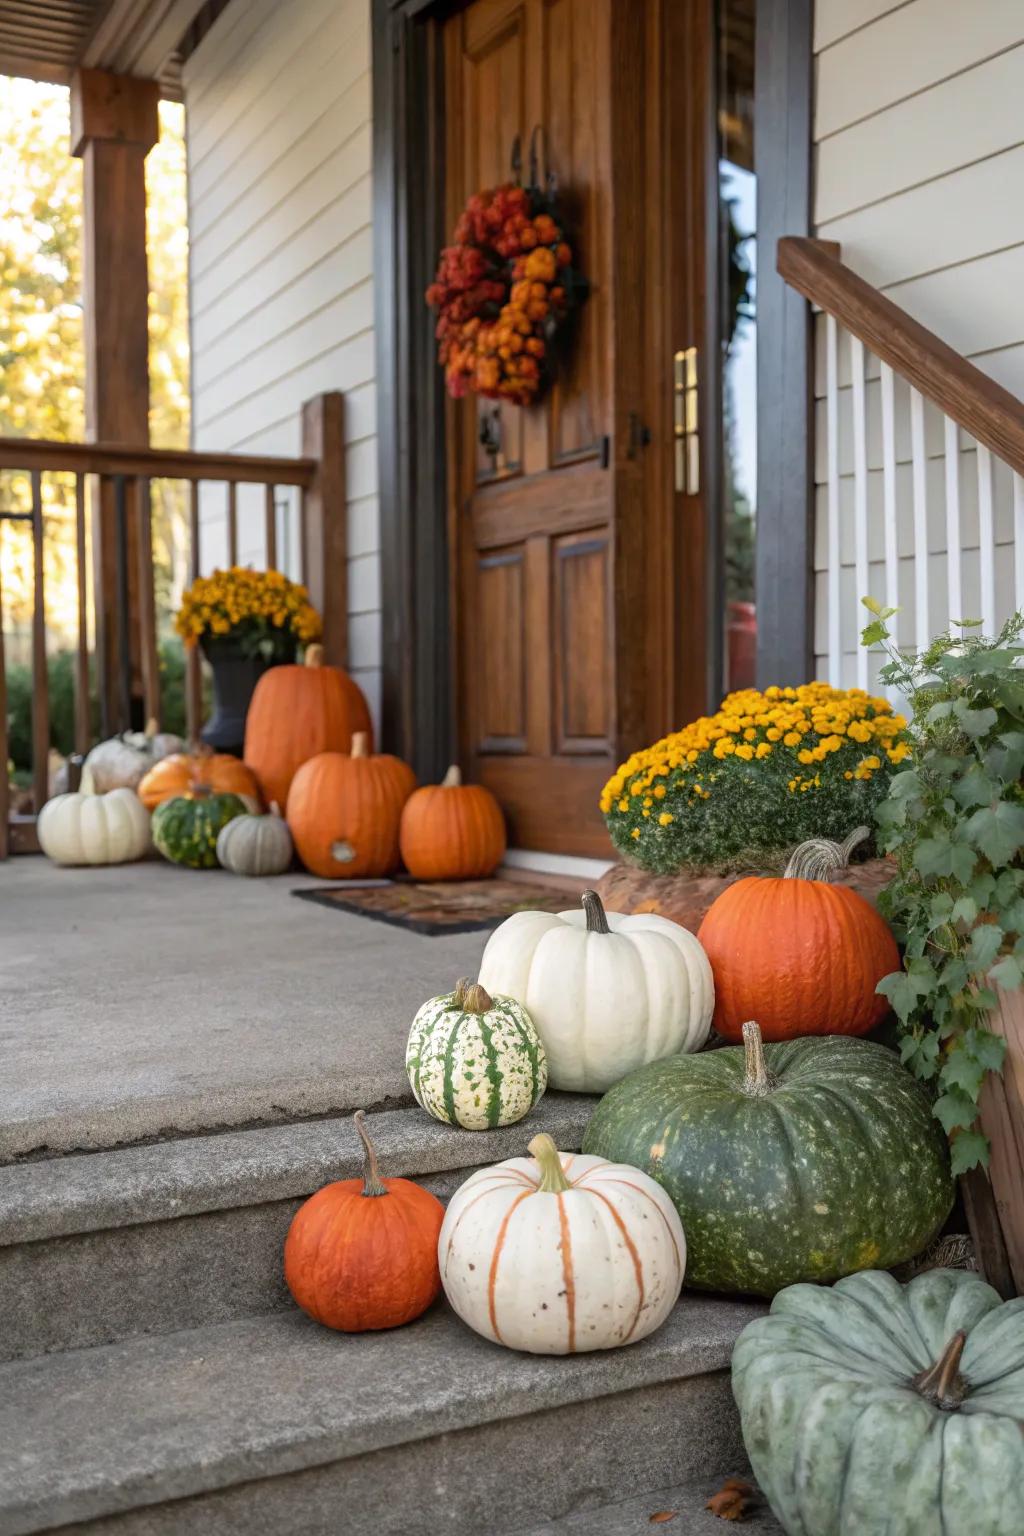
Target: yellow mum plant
<point>769,770</point>
<point>260,612</point>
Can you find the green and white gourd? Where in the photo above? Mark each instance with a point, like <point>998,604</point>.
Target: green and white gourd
<point>877,1409</point>
<point>186,828</point>
<point>474,1060</point>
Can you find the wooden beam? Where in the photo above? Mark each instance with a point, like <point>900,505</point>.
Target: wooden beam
<point>324,514</point>
<point>27,453</point>
<point>121,108</point>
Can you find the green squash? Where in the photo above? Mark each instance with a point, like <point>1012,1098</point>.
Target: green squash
<point>185,829</point>
<point>877,1409</point>
<point>805,1160</point>
<point>474,1060</point>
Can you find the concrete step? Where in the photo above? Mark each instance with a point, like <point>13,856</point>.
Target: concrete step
<point>152,1239</point>
<point>272,1424</point>
<point>682,1510</point>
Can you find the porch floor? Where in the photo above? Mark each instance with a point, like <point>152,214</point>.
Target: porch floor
<point>146,1001</point>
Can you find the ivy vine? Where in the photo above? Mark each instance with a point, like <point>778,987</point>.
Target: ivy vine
<point>954,822</point>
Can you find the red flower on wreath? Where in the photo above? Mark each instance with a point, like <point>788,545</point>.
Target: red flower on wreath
<point>501,291</point>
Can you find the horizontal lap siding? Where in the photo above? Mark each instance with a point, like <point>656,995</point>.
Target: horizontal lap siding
<point>278,102</point>
<point>919,166</point>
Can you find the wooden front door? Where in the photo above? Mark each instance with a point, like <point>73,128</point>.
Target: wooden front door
<point>560,570</point>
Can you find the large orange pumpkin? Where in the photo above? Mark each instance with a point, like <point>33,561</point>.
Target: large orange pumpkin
<point>362,1253</point>
<point>452,831</point>
<point>797,954</point>
<point>344,812</point>
<point>297,712</point>
<point>182,771</point>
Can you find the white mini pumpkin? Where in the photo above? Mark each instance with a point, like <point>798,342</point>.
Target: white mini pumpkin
<point>94,829</point>
<point>474,1060</point>
<point>561,1254</point>
<point>608,993</point>
<point>123,761</point>
<point>255,845</point>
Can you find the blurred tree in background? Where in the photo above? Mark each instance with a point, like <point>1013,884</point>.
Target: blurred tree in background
<point>42,368</point>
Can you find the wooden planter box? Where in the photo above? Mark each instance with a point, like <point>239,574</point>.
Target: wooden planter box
<point>995,1204</point>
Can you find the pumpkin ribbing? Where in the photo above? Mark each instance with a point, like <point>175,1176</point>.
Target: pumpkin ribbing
<point>452,831</point>
<point>344,812</point>
<point>474,1060</point>
<point>297,712</point>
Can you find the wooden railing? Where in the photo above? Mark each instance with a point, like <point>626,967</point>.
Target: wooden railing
<point>901,491</point>
<point>127,681</point>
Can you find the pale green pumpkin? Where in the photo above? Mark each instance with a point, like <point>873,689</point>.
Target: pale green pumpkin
<point>877,1409</point>
<point>474,1060</point>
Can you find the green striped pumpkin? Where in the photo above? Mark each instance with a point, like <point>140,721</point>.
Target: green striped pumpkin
<point>474,1060</point>
<point>185,829</point>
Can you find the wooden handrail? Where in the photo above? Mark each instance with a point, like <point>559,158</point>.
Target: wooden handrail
<point>33,453</point>
<point>986,410</point>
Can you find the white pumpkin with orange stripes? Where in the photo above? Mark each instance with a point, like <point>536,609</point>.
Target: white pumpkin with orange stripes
<point>559,1253</point>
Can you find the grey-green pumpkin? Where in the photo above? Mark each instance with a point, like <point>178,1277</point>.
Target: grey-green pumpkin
<point>876,1409</point>
<point>186,828</point>
<point>804,1160</point>
<point>474,1060</point>
<point>255,845</point>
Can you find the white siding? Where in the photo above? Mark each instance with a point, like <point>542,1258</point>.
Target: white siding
<point>919,174</point>
<point>278,106</point>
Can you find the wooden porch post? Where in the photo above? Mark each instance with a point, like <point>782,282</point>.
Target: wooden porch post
<point>113,127</point>
<point>325,514</point>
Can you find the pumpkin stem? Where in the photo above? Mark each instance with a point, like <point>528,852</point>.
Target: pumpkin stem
<point>453,778</point>
<point>360,744</point>
<point>314,656</point>
<point>597,922</point>
<point>462,986</point>
<point>476,999</point>
<point>275,809</point>
<point>758,1082</point>
<point>552,1177</point>
<point>942,1383</point>
<point>152,728</point>
<point>820,858</point>
<point>373,1184</point>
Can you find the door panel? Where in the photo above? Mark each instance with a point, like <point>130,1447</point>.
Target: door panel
<point>559,593</point>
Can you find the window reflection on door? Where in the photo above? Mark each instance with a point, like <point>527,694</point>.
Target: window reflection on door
<point>737,204</point>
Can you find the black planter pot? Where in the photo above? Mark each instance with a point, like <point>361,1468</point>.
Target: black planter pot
<point>235,675</point>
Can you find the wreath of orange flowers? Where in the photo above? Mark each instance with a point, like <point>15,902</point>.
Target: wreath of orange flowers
<point>503,289</point>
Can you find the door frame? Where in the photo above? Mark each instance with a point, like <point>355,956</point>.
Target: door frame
<point>409,230</point>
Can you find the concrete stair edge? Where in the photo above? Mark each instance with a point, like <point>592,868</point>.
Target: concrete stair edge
<point>90,1433</point>
<point>685,1503</point>
<point>129,1186</point>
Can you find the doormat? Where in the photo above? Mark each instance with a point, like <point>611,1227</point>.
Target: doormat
<point>456,906</point>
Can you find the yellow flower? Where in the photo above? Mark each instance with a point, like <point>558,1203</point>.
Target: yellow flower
<point>791,739</point>
<point>745,751</point>
<point>635,833</point>
<point>665,818</point>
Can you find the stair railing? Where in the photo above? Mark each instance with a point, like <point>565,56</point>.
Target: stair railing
<point>919,471</point>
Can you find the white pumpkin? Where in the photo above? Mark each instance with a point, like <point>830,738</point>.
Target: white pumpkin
<point>255,845</point>
<point>123,761</point>
<point>94,829</point>
<point>561,1254</point>
<point>474,1060</point>
<point>608,993</point>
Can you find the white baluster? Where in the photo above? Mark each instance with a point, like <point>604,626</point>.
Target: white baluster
<point>987,541</point>
<point>954,583</point>
<point>892,565</point>
<point>860,494</point>
<point>1018,540</point>
<point>920,482</point>
<point>835,653</point>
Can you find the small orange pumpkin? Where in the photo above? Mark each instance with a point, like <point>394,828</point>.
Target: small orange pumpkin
<point>362,1253</point>
<point>182,771</point>
<point>801,956</point>
<point>297,712</point>
<point>452,831</point>
<point>344,812</point>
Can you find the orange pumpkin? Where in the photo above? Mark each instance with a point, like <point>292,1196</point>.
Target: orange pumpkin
<point>362,1253</point>
<point>452,831</point>
<point>297,712</point>
<point>344,812</point>
<point>797,954</point>
<point>182,771</point>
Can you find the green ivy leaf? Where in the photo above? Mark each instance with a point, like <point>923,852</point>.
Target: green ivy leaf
<point>965,910</point>
<point>954,1109</point>
<point>998,831</point>
<point>963,1072</point>
<point>986,942</point>
<point>873,633</point>
<point>974,722</point>
<point>975,788</point>
<point>986,1047</point>
<point>970,1149</point>
<point>940,711</point>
